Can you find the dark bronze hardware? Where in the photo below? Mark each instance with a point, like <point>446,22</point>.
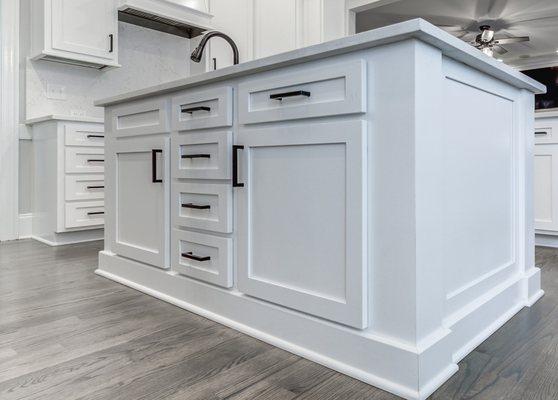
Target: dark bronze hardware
<point>95,160</point>
<point>281,96</point>
<point>111,43</point>
<point>191,256</point>
<point>192,110</point>
<point>95,212</point>
<point>541,133</point>
<point>154,165</point>
<point>95,136</point>
<point>196,206</point>
<point>235,182</point>
<point>95,187</point>
<point>196,156</point>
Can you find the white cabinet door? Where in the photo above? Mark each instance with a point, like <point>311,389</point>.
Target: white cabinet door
<point>87,27</point>
<point>275,27</point>
<point>140,199</point>
<point>546,187</point>
<point>301,218</point>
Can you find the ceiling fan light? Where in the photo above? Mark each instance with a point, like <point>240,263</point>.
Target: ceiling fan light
<point>488,51</point>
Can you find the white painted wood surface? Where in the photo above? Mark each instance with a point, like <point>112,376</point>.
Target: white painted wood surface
<point>385,244</point>
<point>81,32</point>
<point>66,163</point>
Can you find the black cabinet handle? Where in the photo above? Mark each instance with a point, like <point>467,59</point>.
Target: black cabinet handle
<point>95,136</point>
<point>235,182</point>
<point>196,156</point>
<point>192,110</point>
<point>281,96</point>
<point>95,212</point>
<point>95,160</point>
<point>154,165</point>
<point>541,133</point>
<point>191,256</point>
<point>111,43</point>
<point>196,206</point>
<point>95,187</point>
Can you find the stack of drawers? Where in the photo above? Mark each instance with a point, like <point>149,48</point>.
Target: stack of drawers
<point>83,176</point>
<point>201,193</point>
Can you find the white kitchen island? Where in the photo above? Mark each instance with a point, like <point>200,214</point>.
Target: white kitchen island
<point>365,203</point>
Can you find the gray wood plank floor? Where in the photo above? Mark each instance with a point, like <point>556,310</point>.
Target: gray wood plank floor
<point>66,333</point>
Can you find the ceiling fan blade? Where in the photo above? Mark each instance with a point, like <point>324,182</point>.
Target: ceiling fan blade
<point>512,40</point>
<point>451,28</point>
<point>499,50</point>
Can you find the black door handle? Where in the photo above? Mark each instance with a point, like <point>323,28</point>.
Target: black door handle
<point>196,206</point>
<point>194,109</point>
<point>154,165</point>
<point>235,182</point>
<point>195,156</point>
<point>191,256</point>
<point>111,43</point>
<point>280,96</point>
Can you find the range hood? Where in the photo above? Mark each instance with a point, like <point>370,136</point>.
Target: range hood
<point>177,17</point>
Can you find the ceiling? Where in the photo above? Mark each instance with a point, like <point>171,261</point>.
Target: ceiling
<point>537,19</point>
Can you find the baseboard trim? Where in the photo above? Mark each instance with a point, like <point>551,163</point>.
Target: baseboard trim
<point>328,362</point>
<point>25,225</point>
<point>55,244</point>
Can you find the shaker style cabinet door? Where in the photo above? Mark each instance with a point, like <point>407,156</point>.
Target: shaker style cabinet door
<point>87,27</point>
<point>140,199</point>
<point>301,217</point>
<point>546,189</point>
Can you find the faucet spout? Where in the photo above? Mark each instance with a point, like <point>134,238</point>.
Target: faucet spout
<point>198,51</point>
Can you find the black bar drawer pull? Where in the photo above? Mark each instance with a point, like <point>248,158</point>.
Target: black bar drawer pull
<point>154,165</point>
<point>95,136</point>
<point>95,212</point>
<point>95,160</point>
<point>111,43</point>
<point>541,133</point>
<point>235,182</point>
<point>192,110</point>
<point>281,96</point>
<point>196,206</point>
<point>95,187</point>
<point>196,156</point>
<point>191,256</point>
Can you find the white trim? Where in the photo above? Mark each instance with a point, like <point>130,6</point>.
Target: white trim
<point>9,119</point>
<point>546,240</point>
<point>25,226</point>
<point>71,239</point>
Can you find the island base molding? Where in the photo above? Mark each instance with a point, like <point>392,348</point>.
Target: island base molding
<point>412,372</point>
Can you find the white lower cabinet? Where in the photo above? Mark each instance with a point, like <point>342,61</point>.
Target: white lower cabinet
<point>546,189</point>
<point>140,198</point>
<point>301,218</point>
<point>204,257</point>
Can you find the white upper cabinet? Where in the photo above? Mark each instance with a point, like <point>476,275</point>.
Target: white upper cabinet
<point>83,32</point>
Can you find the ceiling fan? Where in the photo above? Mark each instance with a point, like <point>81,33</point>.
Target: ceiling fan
<point>488,44</point>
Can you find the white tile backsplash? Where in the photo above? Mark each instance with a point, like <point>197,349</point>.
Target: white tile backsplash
<point>147,57</point>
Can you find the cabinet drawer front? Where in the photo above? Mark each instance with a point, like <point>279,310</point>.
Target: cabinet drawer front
<point>207,109</point>
<point>84,135</point>
<point>333,90</point>
<point>202,155</point>
<point>300,218</point>
<point>87,160</point>
<point>202,206</point>
<point>83,214</point>
<point>140,118</point>
<point>546,131</point>
<point>204,257</point>
<point>85,187</point>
